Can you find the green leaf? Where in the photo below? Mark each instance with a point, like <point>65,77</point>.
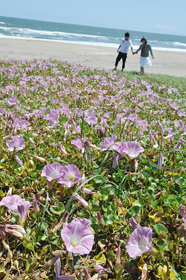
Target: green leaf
<point>109,219</point>
<point>133,211</point>
<point>159,227</point>
<point>163,245</point>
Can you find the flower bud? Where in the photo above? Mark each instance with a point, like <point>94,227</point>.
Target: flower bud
<point>14,232</point>
<point>80,199</point>
<point>59,225</point>
<point>118,255</point>
<point>181,230</point>
<point>62,149</point>
<point>19,161</point>
<point>39,158</point>
<point>100,221</point>
<point>58,266</point>
<point>9,192</point>
<point>160,161</point>
<point>51,262</point>
<point>87,275</point>
<point>17,227</point>
<point>35,205</point>
<point>32,142</point>
<point>181,140</point>
<point>5,245</point>
<point>182,210</point>
<point>133,224</point>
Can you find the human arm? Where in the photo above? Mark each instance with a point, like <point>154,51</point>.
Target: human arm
<point>118,48</point>
<point>150,49</point>
<point>138,49</point>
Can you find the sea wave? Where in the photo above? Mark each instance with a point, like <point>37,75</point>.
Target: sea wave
<point>32,32</point>
<point>88,43</point>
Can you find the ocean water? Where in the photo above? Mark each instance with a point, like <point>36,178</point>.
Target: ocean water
<point>62,32</point>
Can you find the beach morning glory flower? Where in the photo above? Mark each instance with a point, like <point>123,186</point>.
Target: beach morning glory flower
<point>91,120</point>
<point>78,237</point>
<point>16,144</point>
<point>132,149</point>
<point>11,202</point>
<point>15,204</point>
<point>22,210</point>
<point>79,143</point>
<point>139,242</point>
<point>22,124</point>
<point>70,176</point>
<point>53,171</point>
<point>108,142</point>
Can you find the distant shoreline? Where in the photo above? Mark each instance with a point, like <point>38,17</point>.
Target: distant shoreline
<point>108,45</point>
<point>166,62</point>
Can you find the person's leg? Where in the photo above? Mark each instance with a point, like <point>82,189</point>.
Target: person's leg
<point>124,57</point>
<point>142,70</point>
<point>118,58</point>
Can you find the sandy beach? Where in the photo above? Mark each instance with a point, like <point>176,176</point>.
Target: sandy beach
<point>165,62</point>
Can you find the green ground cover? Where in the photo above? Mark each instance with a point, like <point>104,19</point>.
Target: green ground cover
<point>49,104</point>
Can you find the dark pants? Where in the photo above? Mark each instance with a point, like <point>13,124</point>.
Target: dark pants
<point>120,56</point>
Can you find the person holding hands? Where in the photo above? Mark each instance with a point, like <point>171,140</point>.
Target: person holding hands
<point>123,50</point>
<point>144,58</point>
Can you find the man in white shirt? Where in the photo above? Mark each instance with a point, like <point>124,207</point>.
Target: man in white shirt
<point>123,50</point>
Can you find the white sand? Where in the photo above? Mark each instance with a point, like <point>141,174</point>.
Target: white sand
<point>165,62</point>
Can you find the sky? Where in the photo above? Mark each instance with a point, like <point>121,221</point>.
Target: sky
<point>157,16</point>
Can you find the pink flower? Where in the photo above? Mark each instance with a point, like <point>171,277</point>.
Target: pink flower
<point>11,202</point>
<point>119,147</point>
<point>77,236</point>
<point>100,269</point>
<point>22,210</point>
<point>181,113</point>
<point>91,120</point>
<point>22,124</point>
<point>132,117</point>
<point>107,143</point>
<point>139,242</point>
<point>132,149</point>
<point>70,176</point>
<point>79,143</point>
<point>53,171</point>
<point>76,129</point>
<point>182,210</point>
<point>15,204</point>
<point>180,142</point>
<point>16,144</point>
